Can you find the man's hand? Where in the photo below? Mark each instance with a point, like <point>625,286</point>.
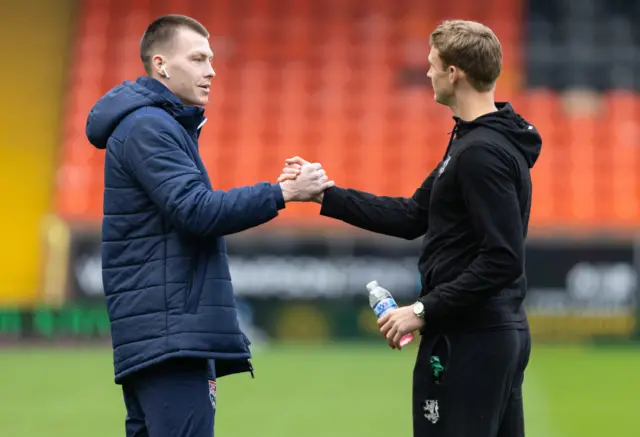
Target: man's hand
<point>292,168</point>
<point>397,323</point>
<point>307,185</point>
<point>291,171</point>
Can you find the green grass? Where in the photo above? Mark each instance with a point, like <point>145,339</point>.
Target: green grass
<point>313,391</point>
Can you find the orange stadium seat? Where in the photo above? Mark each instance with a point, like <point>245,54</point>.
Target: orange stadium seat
<point>623,121</point>
<point>319,80</point>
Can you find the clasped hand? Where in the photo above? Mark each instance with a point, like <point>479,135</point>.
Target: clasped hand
<point>302,181</point>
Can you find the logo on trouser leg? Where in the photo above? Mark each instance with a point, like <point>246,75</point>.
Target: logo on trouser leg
<point>431,410</point>
<point>212,393</point>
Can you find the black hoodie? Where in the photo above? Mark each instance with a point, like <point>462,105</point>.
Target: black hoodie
<point>473,210</point>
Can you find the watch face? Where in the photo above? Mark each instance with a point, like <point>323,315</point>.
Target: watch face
<point>418,308</point>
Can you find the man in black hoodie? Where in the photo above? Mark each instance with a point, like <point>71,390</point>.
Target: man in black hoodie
<point>473,210</point>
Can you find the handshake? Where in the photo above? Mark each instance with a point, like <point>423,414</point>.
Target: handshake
<point>302,181</point>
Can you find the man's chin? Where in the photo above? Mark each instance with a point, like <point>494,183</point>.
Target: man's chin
<point>201,102</point>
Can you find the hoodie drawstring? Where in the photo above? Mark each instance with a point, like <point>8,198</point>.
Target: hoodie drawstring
<point>452,135</point>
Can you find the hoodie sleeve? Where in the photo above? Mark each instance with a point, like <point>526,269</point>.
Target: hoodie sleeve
<point>400,217</point>
<point>171,179</point>
<point>488,186</point>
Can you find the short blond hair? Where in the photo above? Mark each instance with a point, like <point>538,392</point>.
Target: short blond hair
<point>473,48</point>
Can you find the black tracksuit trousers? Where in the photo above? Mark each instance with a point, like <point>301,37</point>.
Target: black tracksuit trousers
<point>479,393</point>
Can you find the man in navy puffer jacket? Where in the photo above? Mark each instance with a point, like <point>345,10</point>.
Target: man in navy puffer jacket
<point>166,278</point>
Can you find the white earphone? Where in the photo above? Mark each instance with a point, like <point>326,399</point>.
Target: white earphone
<point>164,71</point>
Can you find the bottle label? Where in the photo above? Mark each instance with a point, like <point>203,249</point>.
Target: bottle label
<point>384,305</point>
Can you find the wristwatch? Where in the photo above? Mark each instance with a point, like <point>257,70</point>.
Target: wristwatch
<point>418,309</point>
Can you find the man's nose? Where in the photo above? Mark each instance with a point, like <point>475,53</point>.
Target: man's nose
<point>210,72</point>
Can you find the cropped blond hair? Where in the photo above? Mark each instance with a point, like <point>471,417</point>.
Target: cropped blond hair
<point>473,48</point>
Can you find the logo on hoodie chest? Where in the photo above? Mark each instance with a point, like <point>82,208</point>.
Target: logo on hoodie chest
<point>443,166</point>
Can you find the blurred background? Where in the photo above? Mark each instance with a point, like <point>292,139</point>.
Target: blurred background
<point>342,82</point>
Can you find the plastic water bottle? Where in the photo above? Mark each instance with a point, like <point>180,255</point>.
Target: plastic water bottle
<point>382,302</point>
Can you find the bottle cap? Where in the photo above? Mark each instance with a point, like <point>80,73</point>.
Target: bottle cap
<point>372,285</point>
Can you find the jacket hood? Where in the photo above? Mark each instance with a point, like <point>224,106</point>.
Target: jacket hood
<point>522,134</point>
<point>126,98</point>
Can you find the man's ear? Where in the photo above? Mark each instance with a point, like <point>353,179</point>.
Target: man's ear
<point>455,74</point>
<point>158,64</point>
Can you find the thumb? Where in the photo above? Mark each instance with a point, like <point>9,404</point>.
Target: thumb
<point>328,184</point>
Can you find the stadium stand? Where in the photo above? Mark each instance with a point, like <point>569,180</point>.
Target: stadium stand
<point>344,84</point>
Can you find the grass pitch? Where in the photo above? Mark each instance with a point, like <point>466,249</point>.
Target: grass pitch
<point>342,390</point>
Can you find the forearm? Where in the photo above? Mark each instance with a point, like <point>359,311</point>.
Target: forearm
<point>393,216</point>
<point>224,213</point>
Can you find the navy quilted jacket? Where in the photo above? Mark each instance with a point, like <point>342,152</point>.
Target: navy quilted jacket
<point>164,262</point>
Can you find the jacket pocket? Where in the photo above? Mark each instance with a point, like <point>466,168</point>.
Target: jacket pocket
<point>195,286</point>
